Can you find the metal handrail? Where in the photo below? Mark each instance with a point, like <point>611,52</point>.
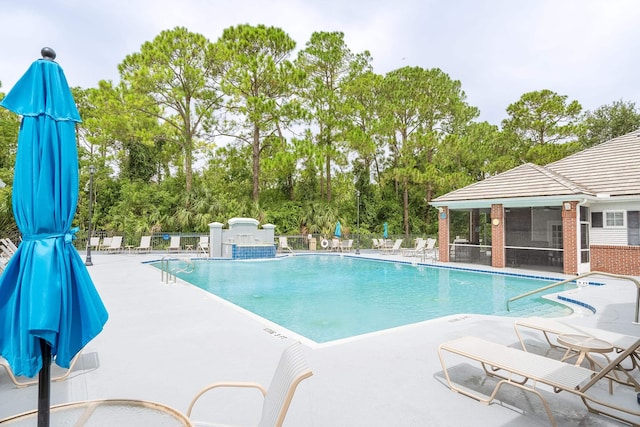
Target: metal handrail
<point>166,271</point>
<point>591,273</point>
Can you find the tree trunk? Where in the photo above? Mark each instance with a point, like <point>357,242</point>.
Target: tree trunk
<point>328,177</point>
<point>405,202</point>
<point>256,162</point>
<point>188,170</point>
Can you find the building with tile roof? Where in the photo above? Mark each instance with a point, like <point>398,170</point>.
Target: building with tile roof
<point>577,214</point>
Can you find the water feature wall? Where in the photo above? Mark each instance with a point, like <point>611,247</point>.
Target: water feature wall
<point>242,240</point>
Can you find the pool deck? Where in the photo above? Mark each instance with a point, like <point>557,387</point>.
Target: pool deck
<point>163,342</point>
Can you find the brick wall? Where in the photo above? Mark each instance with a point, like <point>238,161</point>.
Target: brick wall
<point>616,259</point>
<point>443,235</point>
<point>570,238</point>
<point>497,236</point>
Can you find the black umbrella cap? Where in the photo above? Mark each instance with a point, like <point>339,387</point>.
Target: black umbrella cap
<point>48,53</point>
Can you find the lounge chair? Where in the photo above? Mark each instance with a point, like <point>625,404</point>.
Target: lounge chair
<point>21,383</point>
<point>94,243</point>
<point>417,250</point>
<point>203,245</point>
<point>6,252</point>
<point>106,242</point>
<point>335,245</point>
<point>393,249</point>
<point>291,370</point>
<point>116,245</point>
<point>8,243</point>
<point>528,370</point>
<point>7,248</point>
<point>145,245</point>
<point>283,244</point>
<point>346,245</point>
<point>430,250</point>
<point>174,244</point>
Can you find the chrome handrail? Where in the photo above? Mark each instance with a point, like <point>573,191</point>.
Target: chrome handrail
<point>591,273</point>
<point>165,274</point>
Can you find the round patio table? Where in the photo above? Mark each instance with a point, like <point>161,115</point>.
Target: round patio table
<point>582,346</point>
<point>105,413</point>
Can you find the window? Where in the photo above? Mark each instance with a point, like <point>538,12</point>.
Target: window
<point>614,219</point>
<point>596,219</point>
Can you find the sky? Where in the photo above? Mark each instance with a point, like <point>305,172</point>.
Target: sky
<point>587,50</point>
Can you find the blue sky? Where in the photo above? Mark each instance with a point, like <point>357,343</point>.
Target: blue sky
<point>498,49</point>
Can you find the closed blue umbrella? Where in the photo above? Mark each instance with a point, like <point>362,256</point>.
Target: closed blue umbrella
<point>48,303</point>
<point>338,232</point>
<point>385,232</point>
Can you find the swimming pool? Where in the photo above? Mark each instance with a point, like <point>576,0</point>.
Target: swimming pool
<point>325,297</point>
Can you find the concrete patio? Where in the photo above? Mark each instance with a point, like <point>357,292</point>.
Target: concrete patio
<point>163,342</point>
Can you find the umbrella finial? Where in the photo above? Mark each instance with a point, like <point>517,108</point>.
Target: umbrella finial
<point>48,53</point>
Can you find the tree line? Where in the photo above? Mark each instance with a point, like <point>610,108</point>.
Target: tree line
<point>197,131</point>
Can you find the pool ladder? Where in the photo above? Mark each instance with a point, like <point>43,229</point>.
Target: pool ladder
<point>169,276</point>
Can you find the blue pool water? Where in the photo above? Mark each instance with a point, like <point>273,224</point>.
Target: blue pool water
<point>325,298</point>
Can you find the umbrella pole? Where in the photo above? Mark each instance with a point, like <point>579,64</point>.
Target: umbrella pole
<point>44,385</point>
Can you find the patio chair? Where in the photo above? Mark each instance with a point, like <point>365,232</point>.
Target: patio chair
<point>203,245</point>
<point>393,249</point>
<point>174,244</point>
<point>106,242</point>
<point>528,370</point>
<point>292,369</point>
<point>145,245</point>
<point>283,244</point>
<point>116,245</point>
<point>335,245</point>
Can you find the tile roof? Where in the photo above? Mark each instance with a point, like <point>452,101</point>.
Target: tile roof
<point>612,167</point>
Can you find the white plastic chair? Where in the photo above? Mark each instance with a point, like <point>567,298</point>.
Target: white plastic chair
<point>291,370</point>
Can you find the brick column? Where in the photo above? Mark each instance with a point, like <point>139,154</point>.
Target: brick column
<point>497,236</point>
<point>443,234</point>
<point>570,237</point>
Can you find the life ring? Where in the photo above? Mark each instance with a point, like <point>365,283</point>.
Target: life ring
<point>324,243</point>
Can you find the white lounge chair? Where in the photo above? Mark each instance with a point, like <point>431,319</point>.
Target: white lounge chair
<point>145,245</point>
<point>94,243</point>
<point>393,249</point>
<point>203,245</point>
<point>116,245</point>
<point>335,245</point>
<point>346,245</point>
<point>283,244</point>
<point>106,242</point>
<point>528,371</point>
<point>174,244</point>
<point>9,244</point>
<point>417,250</point>
<point>291,370</point>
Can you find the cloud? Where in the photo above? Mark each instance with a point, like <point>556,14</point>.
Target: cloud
<point>498,49</point>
